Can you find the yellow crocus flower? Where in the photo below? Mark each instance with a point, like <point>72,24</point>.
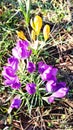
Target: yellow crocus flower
<point>36,24</point>
<point>33,35</point>
<point>21,35</point>
<point>46,32</point>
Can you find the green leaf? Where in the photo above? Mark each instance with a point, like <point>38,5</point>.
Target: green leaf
<point>22,8</point>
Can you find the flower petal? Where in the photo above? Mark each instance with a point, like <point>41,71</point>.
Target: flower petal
<point>15,103</point>
<point>30,67</point>
<point>30,88</point>
<point>60,93</point>
<point>50,85</point>
<point>13,62</point>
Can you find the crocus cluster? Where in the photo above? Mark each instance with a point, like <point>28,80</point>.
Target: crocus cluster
<point>19,52</point>
<point>47,73</point>
<point>49,76</point>
<point>36,25</point>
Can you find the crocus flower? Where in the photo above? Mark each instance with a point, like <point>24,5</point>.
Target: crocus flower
<point>46,31</point>
<point>15,103</point>
<point>13,62</point>
<point>31,67</point>
<point>21,53</point>
<point>49,73</point>
<point>59,91</point>
<point>10,77</point>
<point>21,50</point>
<point>42,67</point>
<point>31,88</point>
<point>16,85</point>
<point>21,35</point>
<point>36,24</point>
<point>9,74</point>
<point>22,44</point>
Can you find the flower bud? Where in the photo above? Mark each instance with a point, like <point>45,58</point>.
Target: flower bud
<point>21,35</point>
<point>46,32</point>
<point>36,24</point>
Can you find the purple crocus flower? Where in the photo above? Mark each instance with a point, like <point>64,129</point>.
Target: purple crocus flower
<point>49,73</point>
<point>10,77</point>
<point>42,67</point>
<point>59,91</point>
<point>16,85</point>
<point>31,88</point>
<point>21,50</point>
<point>22,43</point>
<point>31,67</point>
<point>21,53</point>
<point>16,102</point>
<point>13,62</point>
